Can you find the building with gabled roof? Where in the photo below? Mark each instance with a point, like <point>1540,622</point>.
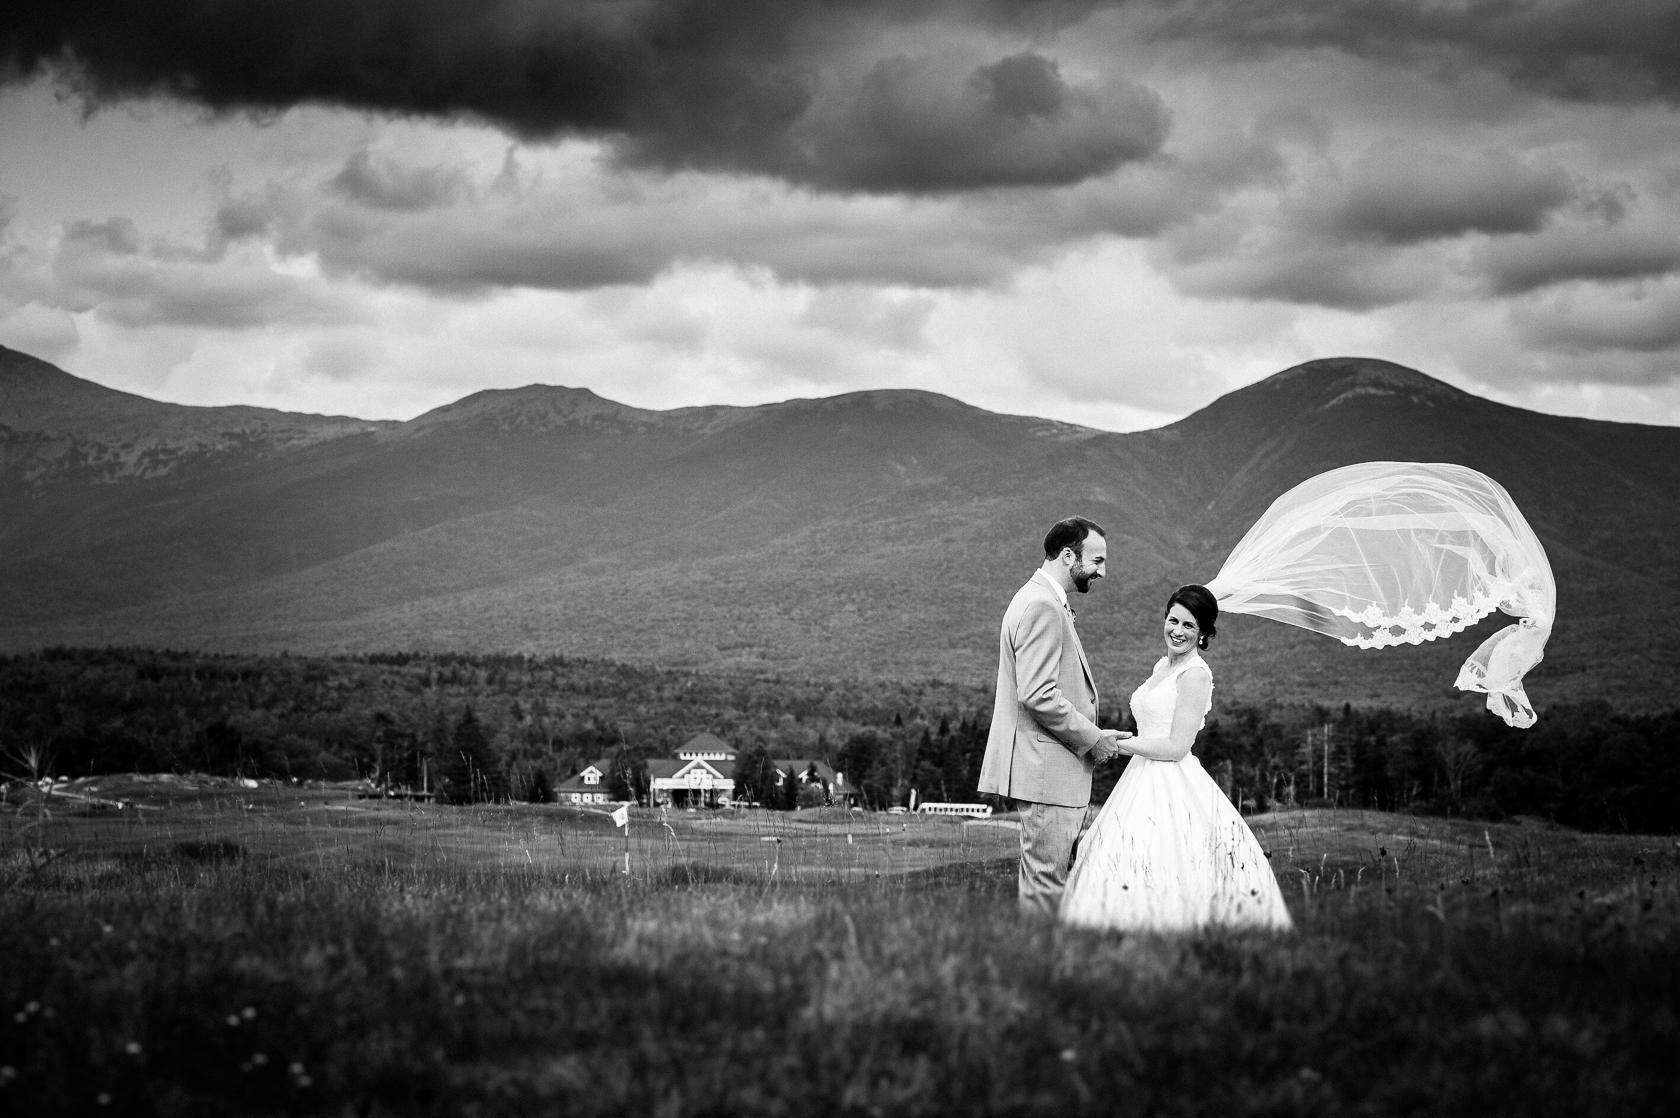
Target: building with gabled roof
<point>589,786</point>
<point>706,747</point>
<point>808,770</point>
<point>701,775</point>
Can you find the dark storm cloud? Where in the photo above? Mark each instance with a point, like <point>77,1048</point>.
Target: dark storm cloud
<point>921,123</point>
<point>1647,323</point>
<point>1594,50</point>
<point>759,86</point>
<point>551,227</point>
<point>1344,277</point>
<point>1399,194</point>
<point>1518,265</point>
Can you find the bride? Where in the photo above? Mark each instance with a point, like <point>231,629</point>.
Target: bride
<point>1374,555</point>
<point>1168,851</point>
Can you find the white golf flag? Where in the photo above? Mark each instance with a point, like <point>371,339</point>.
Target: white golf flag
<point>621,817</point>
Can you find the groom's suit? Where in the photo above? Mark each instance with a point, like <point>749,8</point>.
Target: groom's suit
<point>1043,731</point>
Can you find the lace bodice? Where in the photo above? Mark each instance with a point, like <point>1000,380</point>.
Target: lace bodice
<point>1154,704</point>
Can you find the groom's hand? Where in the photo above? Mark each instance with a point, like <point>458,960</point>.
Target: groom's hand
<point>1109,748</point>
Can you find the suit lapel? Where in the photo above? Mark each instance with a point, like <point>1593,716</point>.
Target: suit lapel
<point>1068,625</point>
<point>1079,646</point>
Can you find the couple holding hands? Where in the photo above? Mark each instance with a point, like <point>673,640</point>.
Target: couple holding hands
<point>1167,851</point>
<point>1374,555</point>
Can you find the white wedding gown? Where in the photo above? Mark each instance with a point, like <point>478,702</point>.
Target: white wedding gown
<point>1168,851</point>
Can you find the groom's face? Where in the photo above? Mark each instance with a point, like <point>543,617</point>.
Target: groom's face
<point>1092,565</point>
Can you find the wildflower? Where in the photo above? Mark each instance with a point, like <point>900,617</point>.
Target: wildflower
<point>132,1048</point>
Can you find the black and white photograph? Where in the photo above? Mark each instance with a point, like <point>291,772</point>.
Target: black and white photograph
<point>840,557</point>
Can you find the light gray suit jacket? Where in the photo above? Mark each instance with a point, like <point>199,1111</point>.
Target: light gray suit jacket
<point>1044,721</point>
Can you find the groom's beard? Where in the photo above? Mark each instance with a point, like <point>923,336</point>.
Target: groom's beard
<point>1083,576</point>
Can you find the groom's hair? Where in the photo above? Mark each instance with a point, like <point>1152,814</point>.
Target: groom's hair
<point>1070,533</point>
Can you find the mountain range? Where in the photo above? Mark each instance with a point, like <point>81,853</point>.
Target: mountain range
<point>873,534</point>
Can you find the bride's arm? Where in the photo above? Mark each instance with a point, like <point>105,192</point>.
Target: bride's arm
<point>1194,688</point>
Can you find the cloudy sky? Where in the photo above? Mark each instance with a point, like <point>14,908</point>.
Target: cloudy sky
<point>1109,213</point>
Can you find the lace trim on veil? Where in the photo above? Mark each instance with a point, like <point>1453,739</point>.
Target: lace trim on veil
<point>1416,626</point>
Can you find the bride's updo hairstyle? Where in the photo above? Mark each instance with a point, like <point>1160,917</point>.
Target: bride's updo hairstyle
<point>1199,601</point>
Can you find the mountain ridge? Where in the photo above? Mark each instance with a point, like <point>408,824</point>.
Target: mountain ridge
<point>877,532</point>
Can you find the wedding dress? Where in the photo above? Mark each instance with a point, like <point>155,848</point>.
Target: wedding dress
<point>1168,851</point>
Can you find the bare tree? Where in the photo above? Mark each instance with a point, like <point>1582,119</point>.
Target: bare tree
<point>1459,760</point>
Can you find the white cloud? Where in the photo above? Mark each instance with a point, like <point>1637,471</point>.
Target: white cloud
<point>1303,205</point>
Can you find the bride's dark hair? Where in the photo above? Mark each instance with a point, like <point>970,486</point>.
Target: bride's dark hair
<point>1199,601</point>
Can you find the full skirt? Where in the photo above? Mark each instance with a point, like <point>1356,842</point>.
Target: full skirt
<point>1169,852</point>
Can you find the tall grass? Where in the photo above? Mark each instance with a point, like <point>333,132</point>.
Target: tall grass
<point>251,962</point>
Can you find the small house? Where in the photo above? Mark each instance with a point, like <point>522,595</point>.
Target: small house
<point>587,787</point>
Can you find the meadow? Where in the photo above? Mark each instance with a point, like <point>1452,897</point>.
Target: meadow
<point>183,946</point>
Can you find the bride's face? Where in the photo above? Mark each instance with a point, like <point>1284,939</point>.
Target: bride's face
<point>1180,630</point>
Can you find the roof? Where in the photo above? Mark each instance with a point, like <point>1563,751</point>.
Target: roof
<point>663,768</point>
<point>706,743</point>
<point>800,765</point>
<point>575,782</point>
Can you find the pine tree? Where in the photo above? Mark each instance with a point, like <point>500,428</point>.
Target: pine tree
<point>541,789</point>
<point>755,774</point>
<point>626,776</point>
<point>469,771</point>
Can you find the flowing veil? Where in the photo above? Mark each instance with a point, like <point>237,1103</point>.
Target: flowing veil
<point>1385,553</point>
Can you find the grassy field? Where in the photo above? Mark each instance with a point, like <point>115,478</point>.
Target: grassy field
<point>212,949</point>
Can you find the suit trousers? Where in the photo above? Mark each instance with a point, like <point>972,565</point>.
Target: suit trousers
<point>1048,835</point>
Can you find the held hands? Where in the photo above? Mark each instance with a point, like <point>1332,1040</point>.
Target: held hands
<point>1110,748</point>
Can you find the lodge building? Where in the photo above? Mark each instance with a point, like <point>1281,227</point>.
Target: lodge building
<point>702,774</point>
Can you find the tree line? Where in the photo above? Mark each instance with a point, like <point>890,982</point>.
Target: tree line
<point>478,727</point>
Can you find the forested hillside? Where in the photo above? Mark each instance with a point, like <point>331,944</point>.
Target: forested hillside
<point>873,534</point>
<point>534,722</point>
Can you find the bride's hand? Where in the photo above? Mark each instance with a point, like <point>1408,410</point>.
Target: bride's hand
<point>1111,745</point>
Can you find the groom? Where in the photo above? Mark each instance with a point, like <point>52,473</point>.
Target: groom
<point>1044,740</point>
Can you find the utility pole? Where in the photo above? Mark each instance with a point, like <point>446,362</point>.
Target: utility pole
<point>1327,760</point>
